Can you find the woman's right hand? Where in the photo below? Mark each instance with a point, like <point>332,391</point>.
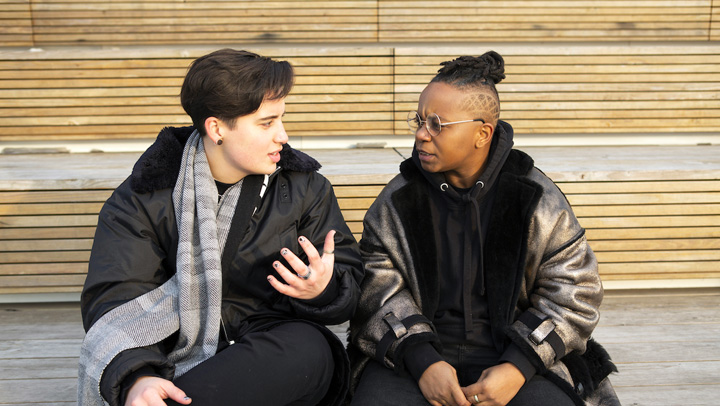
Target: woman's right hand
<point>151,391</point>
<point>439,384</point>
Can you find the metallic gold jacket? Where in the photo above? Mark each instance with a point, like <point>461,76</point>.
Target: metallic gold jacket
<point>541,279</point>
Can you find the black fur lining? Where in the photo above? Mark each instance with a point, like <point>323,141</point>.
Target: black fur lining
<point>506,245</point>
<point>412,204</point>
<point>590,368</point>
<point>159,166</point>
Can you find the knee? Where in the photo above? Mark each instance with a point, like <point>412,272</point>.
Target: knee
<point>310,349</point>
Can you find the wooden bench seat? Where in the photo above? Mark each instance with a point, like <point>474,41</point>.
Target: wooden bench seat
<point>652,214</point>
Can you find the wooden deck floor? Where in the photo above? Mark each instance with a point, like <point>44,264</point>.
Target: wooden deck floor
<point>666,345</point>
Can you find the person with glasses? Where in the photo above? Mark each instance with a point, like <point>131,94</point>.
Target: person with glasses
<point>480,287</point>
<point>218,263</point>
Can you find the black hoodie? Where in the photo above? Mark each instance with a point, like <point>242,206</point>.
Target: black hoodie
<point>461,218</point>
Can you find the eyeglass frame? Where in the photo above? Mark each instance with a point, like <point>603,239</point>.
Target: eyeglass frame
<point>440,123</point>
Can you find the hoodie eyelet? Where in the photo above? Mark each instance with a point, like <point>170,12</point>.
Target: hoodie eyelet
<point>481,183</point>
<point>444,186</point>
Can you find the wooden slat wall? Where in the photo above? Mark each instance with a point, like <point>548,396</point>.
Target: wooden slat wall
<point>594,89</point>
<point>46,236</point>
<point>96,94</point>
<point>15,23</point>
<point>539,20</point>
<point>640,230</point>
<point>651,229</point>
<point>45,239</point>
<point>62,22</point>
<point>72,22</point>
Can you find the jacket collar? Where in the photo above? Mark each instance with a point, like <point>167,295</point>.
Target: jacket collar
<point>159,166</point>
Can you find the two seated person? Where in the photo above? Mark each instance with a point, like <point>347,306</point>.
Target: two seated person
<point>217,264</point>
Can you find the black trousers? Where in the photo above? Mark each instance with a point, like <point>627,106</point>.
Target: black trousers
<point>289,364</point>
<point>381,386</point>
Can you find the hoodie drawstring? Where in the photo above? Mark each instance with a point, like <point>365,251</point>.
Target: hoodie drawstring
<point>467,260</point>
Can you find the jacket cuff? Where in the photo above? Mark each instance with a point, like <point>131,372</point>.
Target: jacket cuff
<point>332,290</point>
<point>130,380</point>
<point>514,355</point>
<point>129,364</point>
<point>418,357</point>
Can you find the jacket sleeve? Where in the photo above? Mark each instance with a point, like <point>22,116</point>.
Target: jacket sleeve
<point>563,287</point>
<point>128,258</point>
<point>321,213</point>
<point>389,320</point>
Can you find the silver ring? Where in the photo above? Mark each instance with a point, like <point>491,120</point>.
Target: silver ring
<point>307,275</point>
<point>475,398</point>
<point>329,252</point>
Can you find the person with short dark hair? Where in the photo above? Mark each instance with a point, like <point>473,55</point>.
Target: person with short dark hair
<point>480,287</point>
<point>218,263</point>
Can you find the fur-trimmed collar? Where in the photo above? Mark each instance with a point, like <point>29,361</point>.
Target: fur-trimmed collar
<point>159,165</point>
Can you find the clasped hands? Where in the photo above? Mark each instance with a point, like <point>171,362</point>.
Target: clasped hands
<point>306,281</point>
<point>496,386</point>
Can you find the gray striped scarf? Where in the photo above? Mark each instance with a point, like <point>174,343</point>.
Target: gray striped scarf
<point>189,301</point>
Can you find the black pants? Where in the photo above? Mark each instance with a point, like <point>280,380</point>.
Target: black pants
<point>381,386</point>
<point>290,364</point>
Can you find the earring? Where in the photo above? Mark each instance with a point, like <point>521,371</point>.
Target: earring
<point>219,141</point>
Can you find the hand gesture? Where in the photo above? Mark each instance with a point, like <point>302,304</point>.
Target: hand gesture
<point>496,387</point>
<point>151,390</point>
<point>307,281</point>
<point>439,384</point>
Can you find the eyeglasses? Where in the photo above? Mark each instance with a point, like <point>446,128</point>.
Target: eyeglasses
<point>432,123</point>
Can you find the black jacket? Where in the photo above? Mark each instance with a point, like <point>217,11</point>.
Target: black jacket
<point>135,246</point>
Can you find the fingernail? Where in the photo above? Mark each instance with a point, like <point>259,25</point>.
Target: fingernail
<point>186,398</point>
<point>284,251</point>
<point>276,264</point>
<point>269,278</point>
<point>301,239</point>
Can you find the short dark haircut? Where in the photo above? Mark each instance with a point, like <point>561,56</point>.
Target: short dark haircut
<point>229,83</point>
<point>479,73</point>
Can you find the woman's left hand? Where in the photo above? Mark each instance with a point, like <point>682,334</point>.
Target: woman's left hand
<point>307,281</point>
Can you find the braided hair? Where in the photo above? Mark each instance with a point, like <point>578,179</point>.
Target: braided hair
<point>480,75</point>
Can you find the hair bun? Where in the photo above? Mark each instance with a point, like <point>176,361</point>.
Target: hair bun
<point>489,66</point>
<point>493,66</point>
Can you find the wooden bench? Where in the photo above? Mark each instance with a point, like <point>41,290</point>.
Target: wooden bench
<point>652,213</point>
<point>169,22</point>
<point>647,93</point>
<point>668,335</point>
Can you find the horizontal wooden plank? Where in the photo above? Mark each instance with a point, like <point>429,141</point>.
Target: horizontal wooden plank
<point>45,256</point>
<point>57,391</point>
<point>655,244</point>
<point>646,210</point>
<point>44,245</point>
<point>660,270</point>
<point>56,196</point>
<point>660,256</point>
<point>640,187</point>
<point>55,268</point>
<point>644,198</point>
<point>655,232</point>
<point>47,221</point>
<point>35,282</point>
<point>38,209</point>
<point>655,221</point>
<point>46,233</point>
